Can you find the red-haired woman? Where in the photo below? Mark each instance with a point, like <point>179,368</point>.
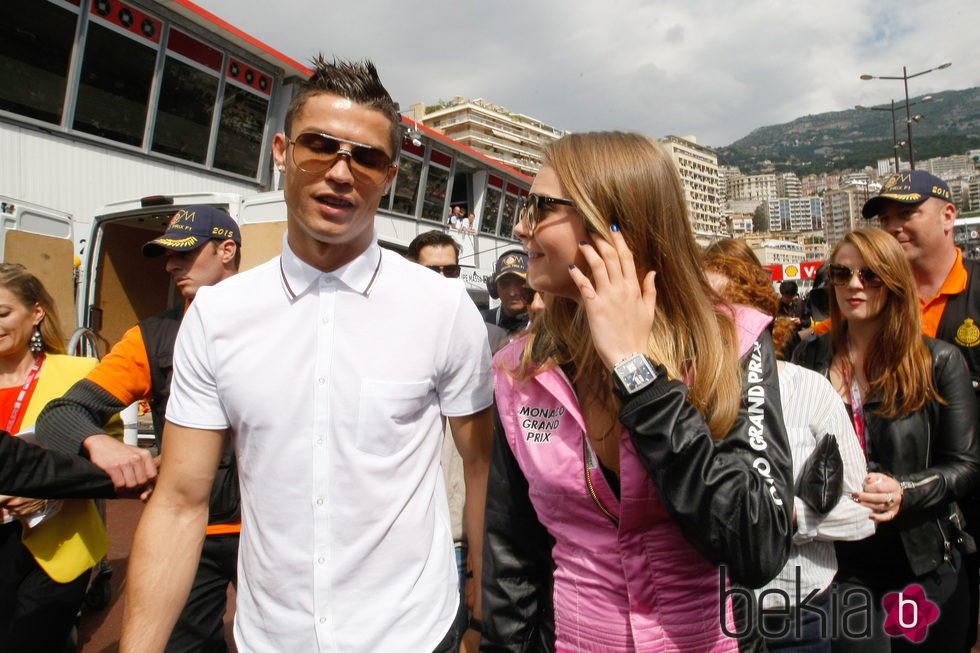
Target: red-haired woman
<point>914,412</point>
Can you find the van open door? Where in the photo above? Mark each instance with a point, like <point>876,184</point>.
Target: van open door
<point>40,239</point>
<point>262,219</point>
<point>119,286</point>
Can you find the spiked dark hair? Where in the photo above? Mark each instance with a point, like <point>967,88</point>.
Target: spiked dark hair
<point>357,81</point>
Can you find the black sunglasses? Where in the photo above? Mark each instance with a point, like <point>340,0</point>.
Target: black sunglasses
<point>533,203</point>
<point>841,276</point>
<point>316,153</point>
<point>451,271</point>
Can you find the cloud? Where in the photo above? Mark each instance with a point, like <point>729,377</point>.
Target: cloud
<point>708,68</point>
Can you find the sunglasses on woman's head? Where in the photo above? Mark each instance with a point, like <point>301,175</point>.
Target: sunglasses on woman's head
<point>840,275</point>
<point>316,153</point>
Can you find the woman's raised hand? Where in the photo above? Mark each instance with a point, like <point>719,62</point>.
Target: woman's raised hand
<point>619,307</point>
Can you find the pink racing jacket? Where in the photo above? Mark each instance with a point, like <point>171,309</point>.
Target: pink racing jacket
<point>569,565</point>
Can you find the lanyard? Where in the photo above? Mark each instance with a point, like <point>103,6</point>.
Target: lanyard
<point>19,403</point>
<point>857,407</point>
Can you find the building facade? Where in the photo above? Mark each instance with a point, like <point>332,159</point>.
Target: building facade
<point>698,168</point>
<point>950,167</point>
<point>741,224</point>
<point>794,214</point>
<point>973,194</point>
<point>757,188</point>
<point>513,139</point>
<point>774,251</point>
<point>789,185</point>
<point>842,212</point>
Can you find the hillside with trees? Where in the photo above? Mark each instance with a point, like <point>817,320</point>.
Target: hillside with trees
<point>856,138</point>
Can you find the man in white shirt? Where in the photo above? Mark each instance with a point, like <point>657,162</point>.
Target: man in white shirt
<point>335,415</point>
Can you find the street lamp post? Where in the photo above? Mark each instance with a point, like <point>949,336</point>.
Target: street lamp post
<point>908,116</point>
<point>896,144</point>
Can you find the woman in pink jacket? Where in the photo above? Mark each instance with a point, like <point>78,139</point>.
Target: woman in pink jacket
<point>638,470</point>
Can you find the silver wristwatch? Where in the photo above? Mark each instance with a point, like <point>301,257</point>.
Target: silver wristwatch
<point>634,373</point>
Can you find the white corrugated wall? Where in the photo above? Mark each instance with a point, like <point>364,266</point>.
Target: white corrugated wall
<point>79,176</point>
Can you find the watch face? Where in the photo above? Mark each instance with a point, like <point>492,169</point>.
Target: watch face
<point>635,373</point>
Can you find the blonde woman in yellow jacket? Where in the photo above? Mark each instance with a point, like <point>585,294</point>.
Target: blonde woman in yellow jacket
<point>46,547</point>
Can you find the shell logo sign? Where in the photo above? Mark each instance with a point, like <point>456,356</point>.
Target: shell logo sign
<point>804,270</point>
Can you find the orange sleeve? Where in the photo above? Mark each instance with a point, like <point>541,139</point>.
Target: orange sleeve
<point>125,371</point>
<point>821,327</point>
<point>224,529</point>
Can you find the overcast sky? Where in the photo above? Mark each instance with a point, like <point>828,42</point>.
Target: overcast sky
<point>715,69</point>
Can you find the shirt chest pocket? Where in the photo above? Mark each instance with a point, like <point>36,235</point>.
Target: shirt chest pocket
<point>388,415</point>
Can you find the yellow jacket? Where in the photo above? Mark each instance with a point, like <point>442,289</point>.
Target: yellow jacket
<point>69,543</point>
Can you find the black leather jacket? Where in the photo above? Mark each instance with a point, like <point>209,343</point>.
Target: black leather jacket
<point>933,453</point>
<point>732,499</point>
<point>27,470</point>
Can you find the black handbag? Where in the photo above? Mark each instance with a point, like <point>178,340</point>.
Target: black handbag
<point>822,479</point>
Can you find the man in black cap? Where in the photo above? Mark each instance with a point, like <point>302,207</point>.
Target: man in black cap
<point>202,245</point>
<point>917,208</point>
<point>790,304</point>
<point>509,284</point>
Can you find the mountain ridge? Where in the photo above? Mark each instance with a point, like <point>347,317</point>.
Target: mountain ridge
<point>854,138</point>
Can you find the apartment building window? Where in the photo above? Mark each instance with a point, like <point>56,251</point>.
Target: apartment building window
<point>36,41</point>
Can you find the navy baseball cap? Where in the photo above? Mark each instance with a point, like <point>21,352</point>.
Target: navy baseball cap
<point>909,187</point>
<point>193,226</point>
<point>511,263</point>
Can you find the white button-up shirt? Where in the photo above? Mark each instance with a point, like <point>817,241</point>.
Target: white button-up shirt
<point>333,386</point>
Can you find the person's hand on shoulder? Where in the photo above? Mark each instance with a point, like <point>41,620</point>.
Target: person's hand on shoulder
<point>129,467</point>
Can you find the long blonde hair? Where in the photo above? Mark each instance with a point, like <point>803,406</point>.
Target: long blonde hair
<point>30,291</point>
<point>898,364</point>
<point>629,180</point>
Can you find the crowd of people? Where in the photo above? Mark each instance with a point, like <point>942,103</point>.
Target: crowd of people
<point>637,450</point>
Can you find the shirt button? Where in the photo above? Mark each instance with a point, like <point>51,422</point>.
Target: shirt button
<point>323,620</point>
<point>322,560</point>
<point>319,442</point>
<point>321,380</point>
<point>325,319</point>
<point>319,502</point>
